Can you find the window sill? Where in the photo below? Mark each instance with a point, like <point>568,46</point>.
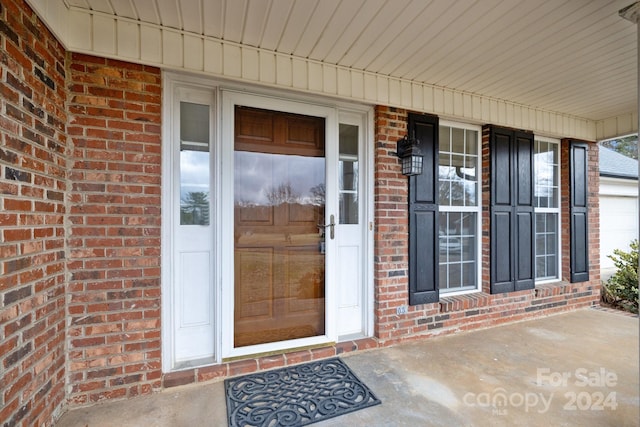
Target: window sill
<point>465,301</point>
<point>479,299</point>
<point>559,287</point>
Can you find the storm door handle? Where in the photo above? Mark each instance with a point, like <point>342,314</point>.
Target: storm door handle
<point>331,226</point>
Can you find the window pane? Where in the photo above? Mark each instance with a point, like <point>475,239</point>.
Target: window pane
<point>194,164</point>
<point>455,276</point>
<point>348,174</point>
<point>472,142</point>
<point>348,139</point>
<point>445,174</point>
<point>194,123</point>
<point>546,245</point>
<point>444,139</point>
<point>458,167</point>
<point>457,140</point>
<point>348,208</point>
<point>546,189</point>
<point>546,174</point>
<point>458,250</point>
<point>469,274</point>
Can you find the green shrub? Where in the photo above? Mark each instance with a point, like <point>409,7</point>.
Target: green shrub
<point>622,288</point>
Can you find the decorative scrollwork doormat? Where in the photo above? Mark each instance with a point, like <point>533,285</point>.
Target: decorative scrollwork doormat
<point>296,395</point>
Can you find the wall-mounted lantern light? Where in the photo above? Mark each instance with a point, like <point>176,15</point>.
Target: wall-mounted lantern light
<point>410,154</point>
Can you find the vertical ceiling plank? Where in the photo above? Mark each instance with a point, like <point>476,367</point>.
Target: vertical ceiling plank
<point>212,56</point>
<point>344,82</point>
<point>250,64</point>
<point>417,97</point>
<point>151,44</point>
<point>193,52</point>
<point>232,60</point>
<point>382,89</point>
<point>329,79</point>
<point>79,28</point>
<point>299,73</point>
<point>283,71</point>
<point>128,39</point>
<point>394,92</point>
<point>370,87</point>
<point>172,48</point>
<point>405,92</point>
<point>267,67</point>
<point>104,34</point>
<point>315,76</point>
<point>357,84</point>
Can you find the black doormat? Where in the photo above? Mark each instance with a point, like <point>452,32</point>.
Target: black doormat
<point>296,395</point>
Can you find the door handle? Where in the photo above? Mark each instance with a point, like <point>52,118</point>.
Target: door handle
<point>331,226</point>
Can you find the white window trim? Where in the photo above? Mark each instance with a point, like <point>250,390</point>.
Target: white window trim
<point>477,209</point>
<point>557,210</point>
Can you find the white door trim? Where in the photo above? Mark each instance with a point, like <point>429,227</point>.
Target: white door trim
<point>222,175</point>
<point>203,91</point>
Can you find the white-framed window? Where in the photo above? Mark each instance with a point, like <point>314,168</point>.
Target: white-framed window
<point>459,199</point>
<point>547,208</point>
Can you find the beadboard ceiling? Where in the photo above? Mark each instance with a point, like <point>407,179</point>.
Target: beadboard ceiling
<point>577,57</point>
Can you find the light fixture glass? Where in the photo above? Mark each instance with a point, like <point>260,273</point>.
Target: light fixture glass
<point>410,156</point>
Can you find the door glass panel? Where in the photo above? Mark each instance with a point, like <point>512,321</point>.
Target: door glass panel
<point>194,164</point>
<point>348,174</point>
<point>279,201</point>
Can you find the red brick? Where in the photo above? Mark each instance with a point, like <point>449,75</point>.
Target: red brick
<point>242,367</point>
<point>179,378</point>
<point>212,372</point>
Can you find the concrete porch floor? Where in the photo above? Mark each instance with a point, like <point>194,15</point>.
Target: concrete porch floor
<point>572,369</point>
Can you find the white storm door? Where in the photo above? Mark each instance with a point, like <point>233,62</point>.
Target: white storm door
<point>248,170</point>
<point>351,231</point>
<point>193,225</point>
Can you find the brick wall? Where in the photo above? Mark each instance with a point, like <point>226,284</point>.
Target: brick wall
<point>114,229</point>
<point>32,192</point>
<point>391,234</point>
<point>470,311</point>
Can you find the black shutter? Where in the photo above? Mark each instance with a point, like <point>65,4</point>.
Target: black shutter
<point>579,239</point>
<point>512,214</point>
<point>423,214</point>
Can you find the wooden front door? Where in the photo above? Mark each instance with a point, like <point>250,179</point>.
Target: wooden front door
<point>279,203</point>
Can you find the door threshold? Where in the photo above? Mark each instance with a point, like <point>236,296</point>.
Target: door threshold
<point>277,352</point>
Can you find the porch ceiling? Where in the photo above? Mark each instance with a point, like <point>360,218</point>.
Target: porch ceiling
<point>575,57</point>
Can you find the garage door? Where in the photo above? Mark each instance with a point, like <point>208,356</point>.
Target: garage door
<point>618,226</point>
